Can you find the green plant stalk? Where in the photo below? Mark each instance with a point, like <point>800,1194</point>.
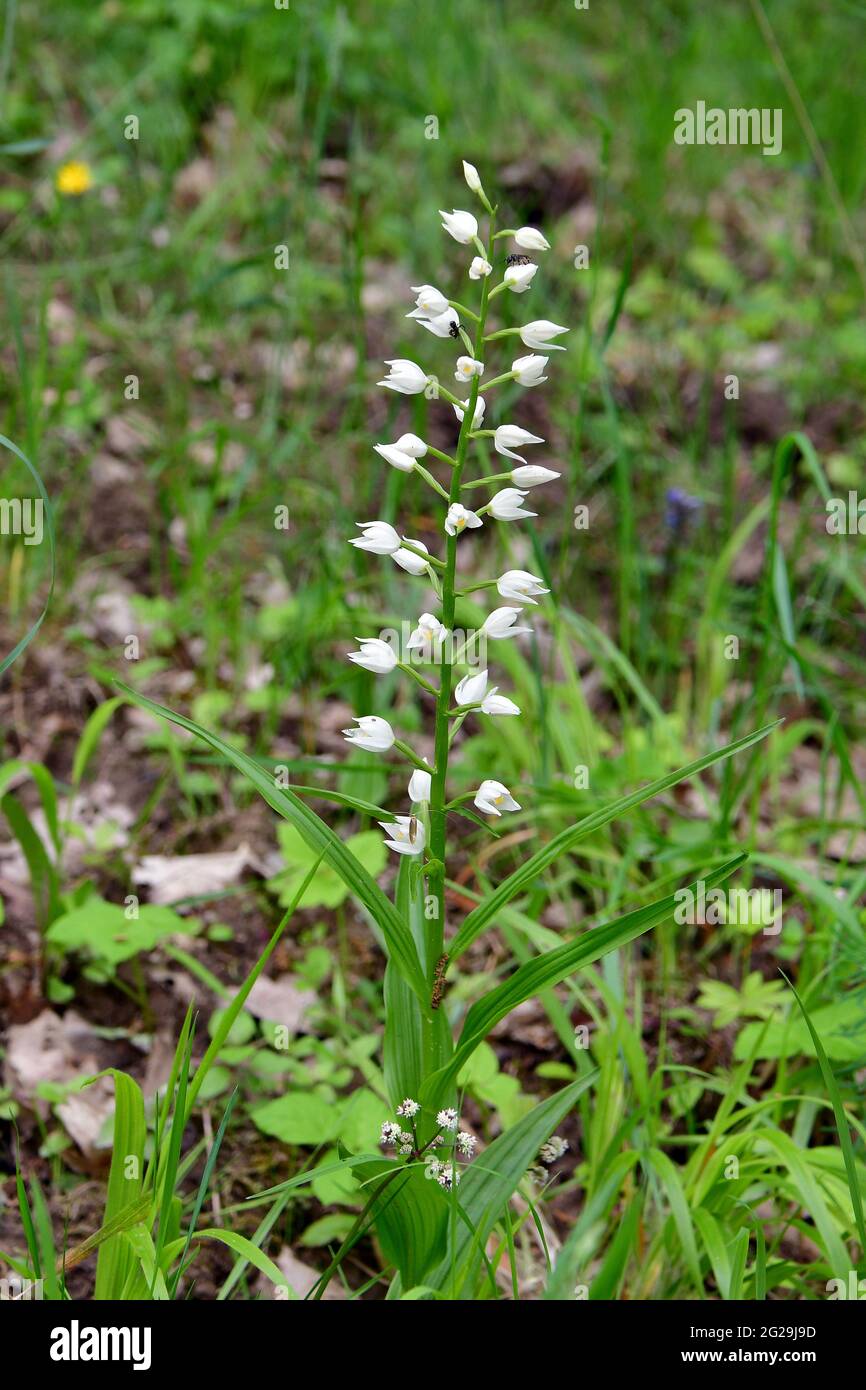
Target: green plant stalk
<point>436,925</point>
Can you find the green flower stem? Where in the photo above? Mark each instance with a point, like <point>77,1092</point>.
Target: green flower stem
<point>431,559</point>
<point>498,380</point>
<point>455,400</point>
<point>446,458</point>
<point>458,721</point>
<point>407,753</point>
<point>416,675</point>
<point>436,927</point>
<point>461,309</point>
<point>473,588</point>
<point>482,482</point>
<point>501,333</point>
<point>458,656</point>
<point>458,800</point>
<point>431,481</point>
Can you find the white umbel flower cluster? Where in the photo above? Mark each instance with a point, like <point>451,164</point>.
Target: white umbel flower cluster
<point>553,1149</point>
<point>501,264</point>
<point>458,1143</point>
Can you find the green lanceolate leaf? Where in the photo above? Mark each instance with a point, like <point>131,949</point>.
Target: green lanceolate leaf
<point>549,969</point>
<point>115,1259</point>
<point>409,1214</point>
<point>843,1129</point>
<point>485,912</point>
<point>488,1184</point>
<point>415,1045</point>
<point>318,836</point>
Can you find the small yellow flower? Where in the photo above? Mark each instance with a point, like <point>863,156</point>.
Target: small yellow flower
<point>73,178</point>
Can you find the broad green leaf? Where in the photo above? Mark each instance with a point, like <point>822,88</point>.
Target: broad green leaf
<point>549,969</point>
<point>523,877</point>
<point>104,931</point>
<point>328,888</point>
<point>360,1120</point>
<point>298,1118</point>
<point>488,1184</point>
<point>333,1227</point>
<point>409,1215</point>
<point>321,838</point>
<point>841,1026</point>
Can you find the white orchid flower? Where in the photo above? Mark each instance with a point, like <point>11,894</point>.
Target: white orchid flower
<point>420,785</point>
<point>531,239</point>
<point>493,798</point>
<point>405,834</point>
<point>506,505</point>
<point>404,376</point>
<point>520,585</point>
<point>498,704</point>
<point>472,177</point>
<point>471,690</point>
<point>518,278</point>
<point>528,371</point>
<point>397,459</point>
<point>531,475</point>
<point>378,537</point>
<point>536,335</point>
<point>461,225</point>
<point>413,446</point>
<point>375,655</point>
<point>479,268</point>
<point>501,623</point>
<point>467,368</point>
<point>429,300</point>
<point>441,325</point>
<point>478,415</point>
<point>428,631</point>
<point>507,438</point>
<point>410,562</point>
<point>373,734</point>
<point>459,518</point>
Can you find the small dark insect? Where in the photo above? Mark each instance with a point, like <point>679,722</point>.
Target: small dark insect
<point>516,259</point>
<point>454,329</point>
<point>413,829</point>
<point>439,982</point>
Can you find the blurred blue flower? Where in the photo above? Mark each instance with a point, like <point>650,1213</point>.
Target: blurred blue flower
<point>681,508</point>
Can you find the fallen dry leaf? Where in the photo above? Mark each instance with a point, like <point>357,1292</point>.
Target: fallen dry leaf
<point>280,1001</point>
<point>169,878</point>
<point>60,1050</point>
